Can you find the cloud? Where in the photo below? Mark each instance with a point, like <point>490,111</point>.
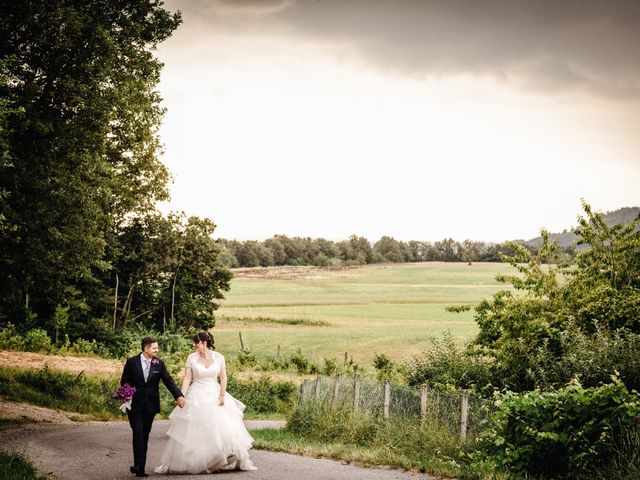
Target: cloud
<point>540,45</point>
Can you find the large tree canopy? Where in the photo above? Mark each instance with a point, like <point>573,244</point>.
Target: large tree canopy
<point>80,169</point>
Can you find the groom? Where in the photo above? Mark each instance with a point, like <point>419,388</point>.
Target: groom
<point>144,372</point>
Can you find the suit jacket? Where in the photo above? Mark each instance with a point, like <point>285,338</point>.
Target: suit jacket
<point>147,393</point>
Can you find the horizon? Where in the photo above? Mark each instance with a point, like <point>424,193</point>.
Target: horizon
<point>372,240</point>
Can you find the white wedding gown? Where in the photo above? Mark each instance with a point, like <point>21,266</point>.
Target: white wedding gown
<point>203,434</point>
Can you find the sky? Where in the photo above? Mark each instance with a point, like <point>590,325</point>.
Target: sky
<point>470,119</point>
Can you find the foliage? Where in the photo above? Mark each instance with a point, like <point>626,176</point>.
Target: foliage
<point>83,251</point>
<point>169,271</point>
<point>81,81</point>
<point>10,339</point>
<point>402,443</point>
<point>567,432</point>
<point>448,366</point>
<point>246,358</point>
<point>37,340</point>
<point>263,395</point>
<point>283,250</point>
<point>67,391</point>
<point>600,292</point>
<point>14,466</point>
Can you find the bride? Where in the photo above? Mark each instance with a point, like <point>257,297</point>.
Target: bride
<point>208,434</point>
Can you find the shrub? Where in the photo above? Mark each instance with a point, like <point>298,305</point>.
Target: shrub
<point>330,366</point>
<point>9,338</point>
<point>37,340</point>
<point>448,366</point>
<point>246,358</point>
<point>263,395</point>
<point>300,362</point>
<point>565,433</point>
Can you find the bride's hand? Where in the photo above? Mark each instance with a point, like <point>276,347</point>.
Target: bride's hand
<point>221,400</point>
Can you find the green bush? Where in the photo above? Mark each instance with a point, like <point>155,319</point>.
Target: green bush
<point>246,358</point>
<point>263,395</point>
<point>448,366</point>
<point>564,433</point>
<point>592,358</point>
<point>330,366</point>
<point>9,338</point>
<point>37,340</point>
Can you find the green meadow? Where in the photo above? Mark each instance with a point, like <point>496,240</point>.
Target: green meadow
<point>391,308</point>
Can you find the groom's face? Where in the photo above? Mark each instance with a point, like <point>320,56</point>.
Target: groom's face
<point>152,349</point>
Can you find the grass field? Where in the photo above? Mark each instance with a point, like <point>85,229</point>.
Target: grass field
<point>392,309</point>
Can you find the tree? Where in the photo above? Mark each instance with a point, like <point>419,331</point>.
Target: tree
<point>596,296</point>
<point>85,149</point>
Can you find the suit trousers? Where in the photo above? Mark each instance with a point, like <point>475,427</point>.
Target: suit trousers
<point>140,422</point>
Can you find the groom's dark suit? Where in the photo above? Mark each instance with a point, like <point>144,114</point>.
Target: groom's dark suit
<point>145,403</point>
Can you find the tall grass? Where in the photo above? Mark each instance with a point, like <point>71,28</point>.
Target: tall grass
<point>66,391</point>
<point>399,441</point>
<point>15,467</point>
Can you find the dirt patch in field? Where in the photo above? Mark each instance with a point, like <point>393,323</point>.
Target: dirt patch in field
<point>88,365</point>
<point>285,273</point>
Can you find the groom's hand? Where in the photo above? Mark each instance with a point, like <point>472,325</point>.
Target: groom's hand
<point>180,401</point>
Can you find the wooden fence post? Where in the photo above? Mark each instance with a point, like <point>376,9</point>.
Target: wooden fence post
<point>241,342</point>
<point>356,392</point>
<point>345,357</point>
<point>424,394</point>
<point>336,387</point>
<point>387,396</point>
<point>278,352</point>
<point>301,394</point>
<point>464,413</point>
<point>317,388</point>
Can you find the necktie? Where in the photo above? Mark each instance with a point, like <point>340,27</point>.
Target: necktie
<point>146,369</point>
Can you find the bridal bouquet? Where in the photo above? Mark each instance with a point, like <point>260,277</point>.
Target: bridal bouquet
<point>124,395</point>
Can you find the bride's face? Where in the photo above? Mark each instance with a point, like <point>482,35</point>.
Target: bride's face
<point>201,347</point>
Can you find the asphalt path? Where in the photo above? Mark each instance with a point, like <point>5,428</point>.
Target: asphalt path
<point>102,451</point>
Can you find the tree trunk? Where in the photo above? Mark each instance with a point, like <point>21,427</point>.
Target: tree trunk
<point>115,303</point>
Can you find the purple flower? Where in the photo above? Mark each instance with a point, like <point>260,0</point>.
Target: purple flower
<point>124,393</point>
<point>155,361</point>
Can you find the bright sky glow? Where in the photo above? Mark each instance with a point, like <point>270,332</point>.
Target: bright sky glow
<point>269,132</point>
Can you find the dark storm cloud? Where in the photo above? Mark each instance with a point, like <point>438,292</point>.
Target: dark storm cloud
<point>589,45</point>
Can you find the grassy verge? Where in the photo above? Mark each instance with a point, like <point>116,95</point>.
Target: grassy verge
<point>367,439</point>
<point>92,395</point>
<point>15,467</point>
<point>61,390</point>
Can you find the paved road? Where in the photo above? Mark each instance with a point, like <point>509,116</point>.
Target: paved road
<point>102,451</point>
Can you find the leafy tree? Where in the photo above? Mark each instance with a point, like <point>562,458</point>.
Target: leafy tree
<point>84,150</point>
<point>599,293</point>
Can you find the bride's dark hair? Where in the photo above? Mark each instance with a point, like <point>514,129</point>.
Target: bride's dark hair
<point>204,337</point>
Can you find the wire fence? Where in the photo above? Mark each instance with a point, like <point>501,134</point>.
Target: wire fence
<point>459,412</point>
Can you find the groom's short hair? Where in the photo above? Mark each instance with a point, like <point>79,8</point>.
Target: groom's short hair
<point>148,341</point>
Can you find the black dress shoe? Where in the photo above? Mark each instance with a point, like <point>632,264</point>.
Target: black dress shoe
<point>138,472</point>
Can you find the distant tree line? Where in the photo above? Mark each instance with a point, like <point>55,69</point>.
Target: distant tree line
<point>283,250</point>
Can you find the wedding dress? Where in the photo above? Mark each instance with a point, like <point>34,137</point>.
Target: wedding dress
<point>205,436</point>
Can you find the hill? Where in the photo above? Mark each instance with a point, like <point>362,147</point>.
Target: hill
<point>567,238</point>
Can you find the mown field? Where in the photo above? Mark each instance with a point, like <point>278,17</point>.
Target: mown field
<point>392,309</point>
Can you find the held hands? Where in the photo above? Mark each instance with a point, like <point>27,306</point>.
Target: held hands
<point>180,402</point>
